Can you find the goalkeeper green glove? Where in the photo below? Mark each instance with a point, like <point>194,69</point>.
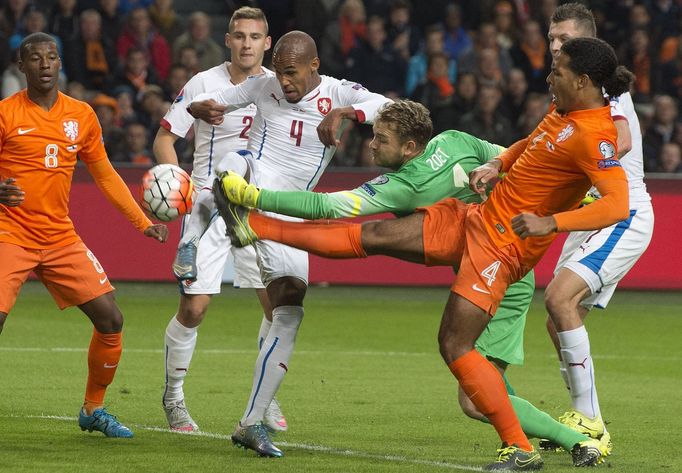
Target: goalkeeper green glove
<point>238,190</point>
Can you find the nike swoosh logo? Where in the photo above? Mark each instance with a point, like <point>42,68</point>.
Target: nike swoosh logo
<point>21,131</point>
<point>102,281</point>
<point>523,463</point>
<point>106,365</point>
<point>478,289</point>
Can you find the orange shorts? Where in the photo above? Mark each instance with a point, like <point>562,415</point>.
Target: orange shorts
<point>454,235</point>
<point>71,273</point>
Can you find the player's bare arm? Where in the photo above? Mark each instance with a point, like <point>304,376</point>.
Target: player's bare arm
<point>624,137</point>
<point>209,111</point>
<point>11,194</point>
<point>163,148</point>
<point>329,126</point>
<point>482,175</point>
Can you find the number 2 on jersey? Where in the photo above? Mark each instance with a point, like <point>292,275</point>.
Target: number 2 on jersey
<point>296,131</point>
<point>247,121</point>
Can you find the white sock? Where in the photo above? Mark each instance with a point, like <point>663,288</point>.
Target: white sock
<point>200,218</point>
<point>180,343</point>
<point>265,325</point>
<point>575,352</point>
<point>273,361</point>
<point>564,374</point>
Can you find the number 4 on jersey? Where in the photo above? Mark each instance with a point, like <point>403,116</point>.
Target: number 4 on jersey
<point>490,272</point>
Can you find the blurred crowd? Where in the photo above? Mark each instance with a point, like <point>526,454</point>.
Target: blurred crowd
<point>478,65</point>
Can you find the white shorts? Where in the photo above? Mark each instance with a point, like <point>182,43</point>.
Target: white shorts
<point>212,251</point>
<point>603,257</point>
<point>277,260</point>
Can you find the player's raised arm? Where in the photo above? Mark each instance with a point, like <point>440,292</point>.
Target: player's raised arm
<point>117,192</point>
<point>212,106</point>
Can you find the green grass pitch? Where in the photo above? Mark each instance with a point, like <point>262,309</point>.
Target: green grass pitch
<point>366,390</point>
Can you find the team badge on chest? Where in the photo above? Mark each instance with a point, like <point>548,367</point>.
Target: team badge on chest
<point>71,129</point>
<point>324,105</point>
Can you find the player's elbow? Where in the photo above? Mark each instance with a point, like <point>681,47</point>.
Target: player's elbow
<point>624,148</point>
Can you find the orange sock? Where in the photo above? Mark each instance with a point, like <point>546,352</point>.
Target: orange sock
<point>327,238</point>
<point>103,357</point>
<point>484,386</point>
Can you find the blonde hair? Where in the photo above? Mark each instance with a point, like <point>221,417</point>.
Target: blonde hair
<point>248,13</point>
<point>411,120</point>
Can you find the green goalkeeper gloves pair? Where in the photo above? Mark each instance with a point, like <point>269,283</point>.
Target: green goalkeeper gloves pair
<point>238,190</point>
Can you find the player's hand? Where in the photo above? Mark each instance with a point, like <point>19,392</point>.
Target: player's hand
<point>11,194</point>
<point>238,190</point>
<point>484,174</point>
<point>329,127</point>
<point>209,111</point>
<point>157,231</point>
<point>528,225</point>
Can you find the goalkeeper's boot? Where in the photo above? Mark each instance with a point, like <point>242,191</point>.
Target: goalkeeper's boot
<point>589,452</point>
<point>185,264</point>
<point>236,218</point>
<point>255,437</point>
<point>512,458</point>
<point>178,417</point>
<point>104,422</point>
<point>274,419</point>
<point>593,428</point>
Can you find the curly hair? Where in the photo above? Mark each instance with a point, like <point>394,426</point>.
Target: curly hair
<point>412,120</point>
<point>597,59</point>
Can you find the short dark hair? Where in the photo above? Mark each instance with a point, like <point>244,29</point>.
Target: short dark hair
<point>33,38</point>
<point>412,120</point>
<point>578,13</point>
<point>597,59</point>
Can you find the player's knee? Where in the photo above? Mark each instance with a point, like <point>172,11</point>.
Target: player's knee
<point>555,302</point>
<point>287,291</point>
<point>192,315</point>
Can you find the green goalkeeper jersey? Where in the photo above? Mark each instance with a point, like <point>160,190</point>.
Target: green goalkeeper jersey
<point>441,171</point>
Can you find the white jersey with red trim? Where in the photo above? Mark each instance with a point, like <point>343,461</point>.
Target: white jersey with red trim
<point>284,140</point>
<point>632,161</point>
<point>211,142</point>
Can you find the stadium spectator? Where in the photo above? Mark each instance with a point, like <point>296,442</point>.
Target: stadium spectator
<point>34,21</point>
<point>457,40</point>
<point>135,72</point>
<point>665,16</point>
<point>639,58</point>
<point>341,36</point>
<point>64,20</point>
<point>11,17</point>
<point>90,58</point>
<point>437,92</point>
<point>434,43</point>
<point>77,91</point>
<point>505,24</point>
<point>198,36</point>
<point>112,20</point>
<point>670,159</point>
<point>13,80</point>
<point>532,56</point>
<point>514,98</point>
<point>152,107</point>
<point>376,64</point>
<point>125,98</point>
<point>166,20</point>
<point>488,68</point>
<point>189,58</point>
<point>312,16</point>
<point>401,33</point>
<point>176,80</point>
<point>466,91</point>
<point>660,131</point>
<point>106,108</point>
<point>535,109</point>
<point>135,149</point>
<point>140,33</point>
<point>486,38</point>
<point>485,121</point>
<point>127,6</point>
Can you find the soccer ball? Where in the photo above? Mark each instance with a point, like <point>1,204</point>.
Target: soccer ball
<point>166,192</point>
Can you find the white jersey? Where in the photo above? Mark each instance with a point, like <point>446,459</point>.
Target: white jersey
<point>284,140</point>
<point>632,161</point>
<point>211,142</point>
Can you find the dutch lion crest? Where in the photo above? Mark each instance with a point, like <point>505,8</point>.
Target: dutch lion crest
<point>71,129</point>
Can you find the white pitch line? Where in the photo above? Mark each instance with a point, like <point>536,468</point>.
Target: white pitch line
<point>228,351</point>
<point>299,446</point>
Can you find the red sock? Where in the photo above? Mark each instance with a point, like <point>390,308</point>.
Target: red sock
<point>103,357</point>
<point>327,238</point>
<point>484,386</point>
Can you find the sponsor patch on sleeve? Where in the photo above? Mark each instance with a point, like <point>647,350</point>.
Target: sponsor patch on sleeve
<point>369,189</point>
<point>607,149</point>
<point>608,163</point>
<point>377,181</point>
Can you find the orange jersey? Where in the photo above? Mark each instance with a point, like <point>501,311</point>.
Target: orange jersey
<point>39,149</point>
<point>563,157</point>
